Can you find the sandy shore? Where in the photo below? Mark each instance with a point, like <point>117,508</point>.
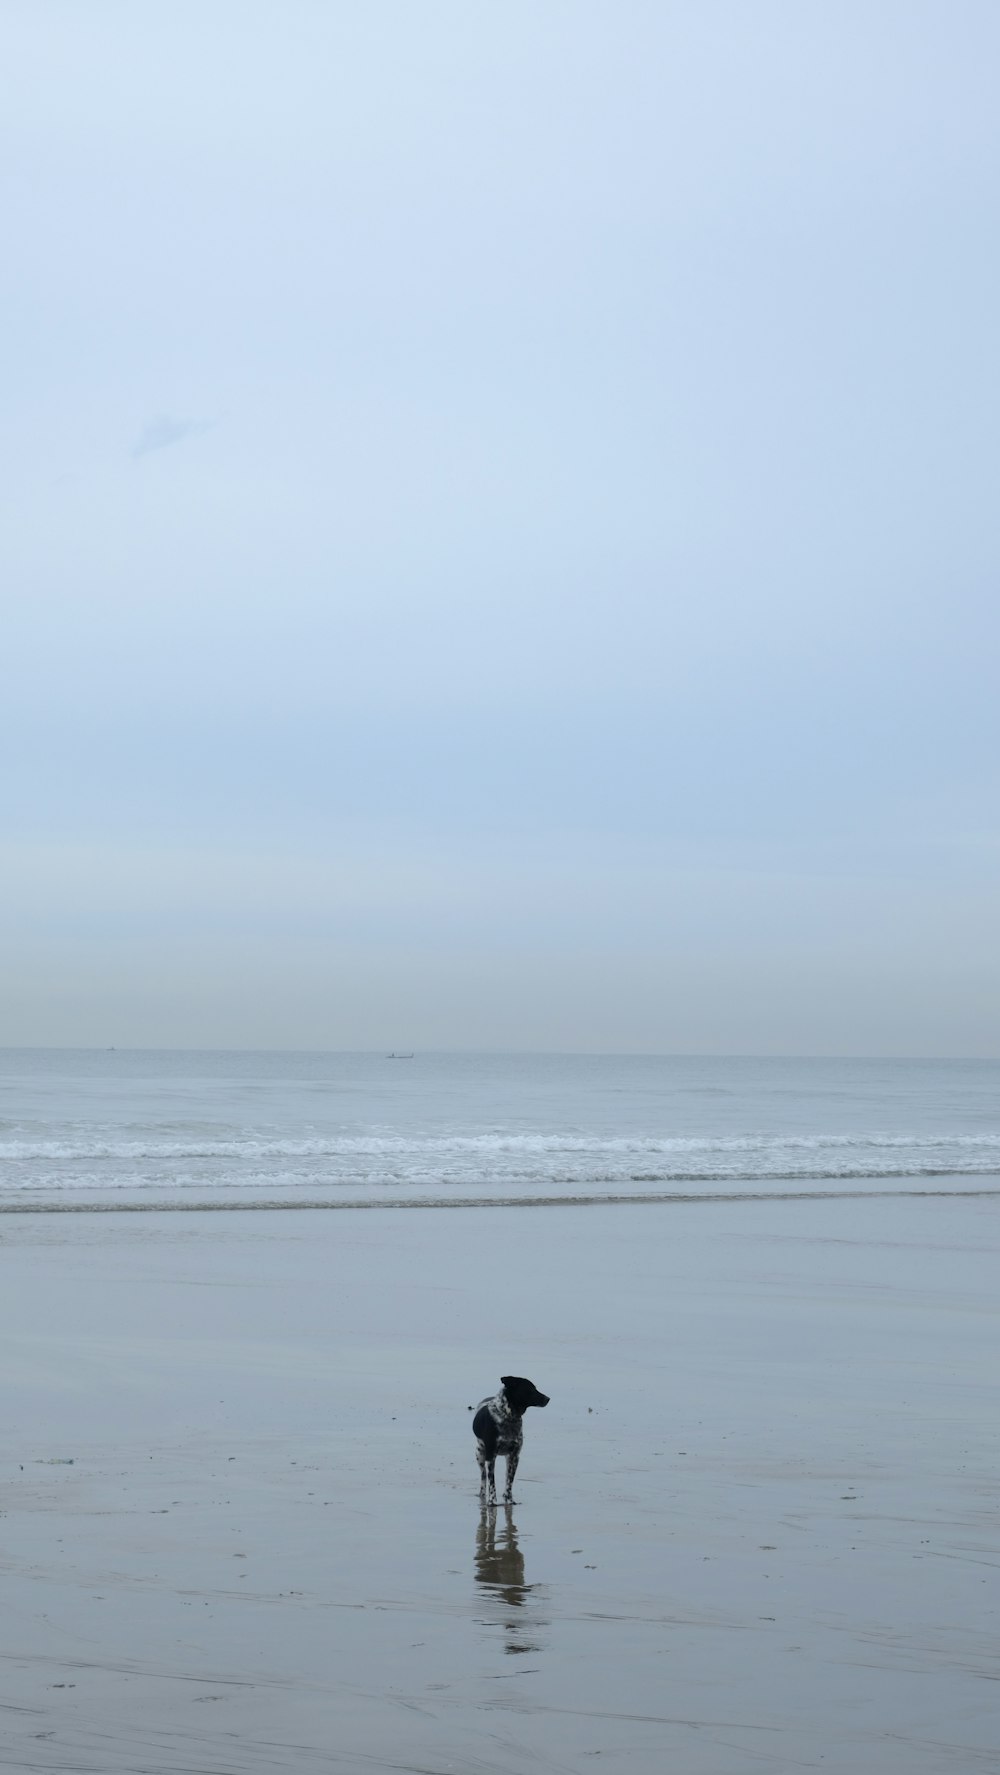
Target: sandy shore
<point>758,1528</point>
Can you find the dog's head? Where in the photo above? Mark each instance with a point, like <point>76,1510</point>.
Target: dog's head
<point>521,1393</point>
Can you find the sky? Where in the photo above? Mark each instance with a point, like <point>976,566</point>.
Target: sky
<point>497,525</point>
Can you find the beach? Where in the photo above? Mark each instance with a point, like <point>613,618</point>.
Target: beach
<point>757,1527</point>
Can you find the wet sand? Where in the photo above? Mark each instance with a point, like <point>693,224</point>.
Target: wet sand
<point>758,1528</point>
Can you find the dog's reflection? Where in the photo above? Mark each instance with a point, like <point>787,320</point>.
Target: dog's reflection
<point>500,1571</point>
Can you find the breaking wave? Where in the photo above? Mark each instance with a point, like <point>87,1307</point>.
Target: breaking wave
<point>386,1166</point>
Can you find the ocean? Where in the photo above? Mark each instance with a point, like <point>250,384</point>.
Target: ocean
<point>88,1129</point>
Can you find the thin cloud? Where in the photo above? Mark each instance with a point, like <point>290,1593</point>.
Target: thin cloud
<point>163,431</point>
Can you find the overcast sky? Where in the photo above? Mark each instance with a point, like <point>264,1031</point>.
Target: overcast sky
<point>498,524</point>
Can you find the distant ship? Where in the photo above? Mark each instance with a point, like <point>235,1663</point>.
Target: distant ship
<point>399,1056</point>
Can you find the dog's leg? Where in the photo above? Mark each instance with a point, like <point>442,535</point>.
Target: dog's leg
<point>512,1460</point>
<point>491,1463</point>
<point>481,1458</point>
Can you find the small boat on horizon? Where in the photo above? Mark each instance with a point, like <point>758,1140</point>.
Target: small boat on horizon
<point>395,1056</point>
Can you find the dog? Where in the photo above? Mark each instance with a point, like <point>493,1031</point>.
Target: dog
<point>498,1430</point>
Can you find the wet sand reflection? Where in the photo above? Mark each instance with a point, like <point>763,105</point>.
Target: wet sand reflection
<point>500,1573</point>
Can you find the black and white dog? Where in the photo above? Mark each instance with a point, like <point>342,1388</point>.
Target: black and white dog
<point>498,1431</point>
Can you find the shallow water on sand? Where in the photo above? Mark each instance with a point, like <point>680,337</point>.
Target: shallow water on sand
<point>756,1527</point>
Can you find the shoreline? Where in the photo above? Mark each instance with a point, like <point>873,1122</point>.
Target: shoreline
<point>646,1199</point>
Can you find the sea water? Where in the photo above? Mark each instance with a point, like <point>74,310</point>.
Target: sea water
<point>138,1128</point>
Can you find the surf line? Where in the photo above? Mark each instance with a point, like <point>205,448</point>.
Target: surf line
<point>659,1199</point>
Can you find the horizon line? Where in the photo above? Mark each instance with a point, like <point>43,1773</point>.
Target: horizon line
<point>500,1052</point>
